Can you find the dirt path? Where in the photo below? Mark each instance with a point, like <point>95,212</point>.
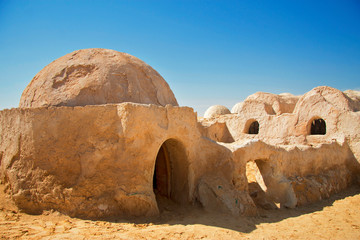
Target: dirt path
<point>334,218</point>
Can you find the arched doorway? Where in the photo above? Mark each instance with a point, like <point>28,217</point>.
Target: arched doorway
<point>273,190</point>
<point>170,178</point>
<point>257,187</point>
<point>318,127</point>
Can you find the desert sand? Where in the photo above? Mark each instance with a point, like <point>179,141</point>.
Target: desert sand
<point>333,218</point>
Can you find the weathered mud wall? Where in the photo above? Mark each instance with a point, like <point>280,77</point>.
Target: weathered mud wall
<point>98,161</point>
<point>298,167</point>
<point>331,105</point>
<point>297,175</point>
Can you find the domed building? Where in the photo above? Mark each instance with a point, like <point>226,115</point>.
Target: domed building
<point>97,76</point>
<point>99,133</point>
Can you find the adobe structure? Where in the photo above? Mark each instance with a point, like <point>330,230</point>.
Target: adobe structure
<point>99,133</point>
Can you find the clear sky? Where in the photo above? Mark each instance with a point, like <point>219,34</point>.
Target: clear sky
<point>210,52</point>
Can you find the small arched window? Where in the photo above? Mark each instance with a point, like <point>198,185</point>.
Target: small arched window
<point>254,128</point>
<point>318,127</point>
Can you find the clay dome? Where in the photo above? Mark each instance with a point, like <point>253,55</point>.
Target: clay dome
<point>353,94</point>
<point>355,99</point>
<point>96,76</point>
<point>329,95</point>
<point>216,110</point>
<point>237,107</point>
<point>263,103</point>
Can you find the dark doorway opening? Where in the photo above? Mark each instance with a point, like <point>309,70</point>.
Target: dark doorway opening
<point>254,128</point>
<point>318,127</point>
<point>161,180</point>
<point>170,180</point>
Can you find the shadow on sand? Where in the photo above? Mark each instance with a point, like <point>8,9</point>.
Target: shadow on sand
<point>173,214</point>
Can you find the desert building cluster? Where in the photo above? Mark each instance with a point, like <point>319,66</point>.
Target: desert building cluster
<point>99,133</point>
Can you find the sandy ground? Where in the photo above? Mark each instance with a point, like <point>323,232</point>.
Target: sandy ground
<point>334,218</point>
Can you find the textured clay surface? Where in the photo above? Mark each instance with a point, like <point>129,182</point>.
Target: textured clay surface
<point>96,76</point>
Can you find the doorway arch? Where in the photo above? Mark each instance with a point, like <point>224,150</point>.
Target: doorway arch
<point>170,178</point>
<point>318,126</point>
<point>273,189</point>
<point>257,187</point>
<point>252,126</point>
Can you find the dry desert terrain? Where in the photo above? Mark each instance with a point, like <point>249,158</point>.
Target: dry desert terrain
<point>335,218</point>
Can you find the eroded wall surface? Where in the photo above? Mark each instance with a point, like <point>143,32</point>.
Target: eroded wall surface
<point>297,167</point>
<point>98,161</point>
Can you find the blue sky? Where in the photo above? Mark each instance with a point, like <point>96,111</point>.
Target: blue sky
<point>210,52</point>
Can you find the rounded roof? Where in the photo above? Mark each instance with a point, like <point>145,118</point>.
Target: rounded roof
<point>355,99</point>
<point>96,76</point>
<point>216,110</point>
<point>237,107</point>
<point>324,95</point>
<point>261,103</point>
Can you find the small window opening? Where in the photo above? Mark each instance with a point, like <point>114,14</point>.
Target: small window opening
<point>318,127</point>
<point>254,128</point>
